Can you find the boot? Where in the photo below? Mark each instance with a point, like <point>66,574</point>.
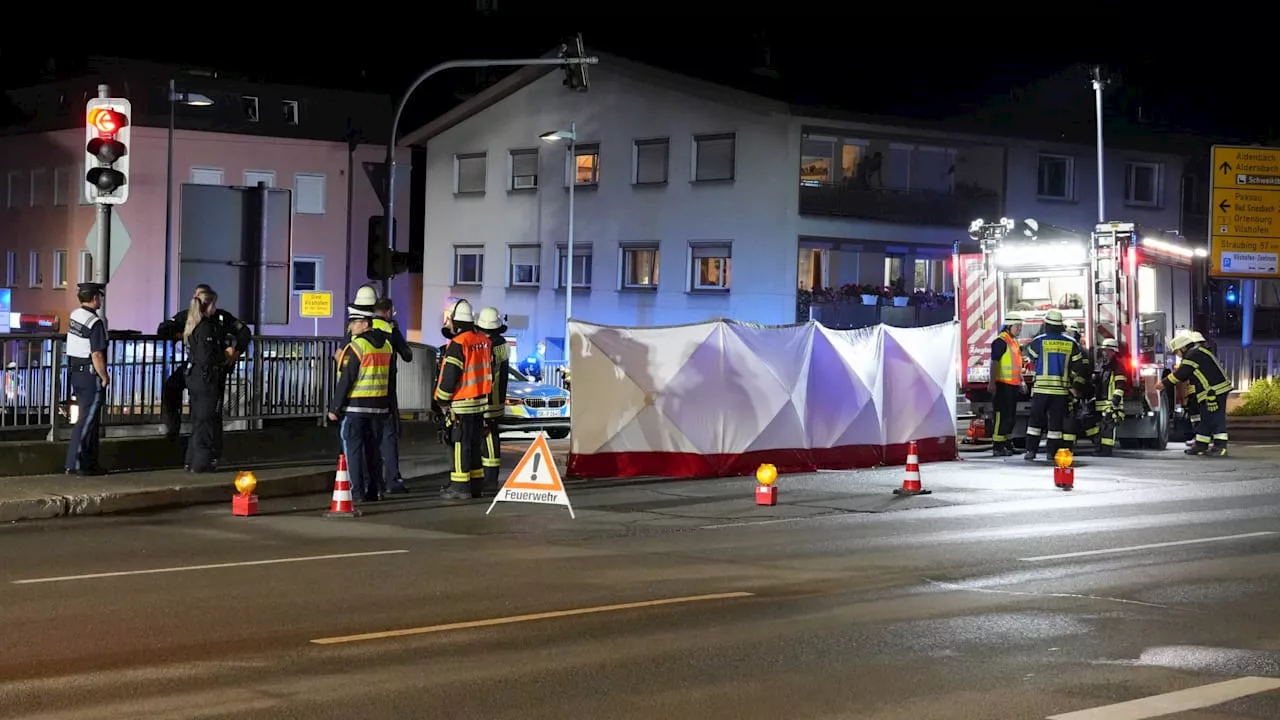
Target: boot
<point>1198,448</point>
<point>456,491</point>
<point>1219,449</point>
<point>1033,446</point>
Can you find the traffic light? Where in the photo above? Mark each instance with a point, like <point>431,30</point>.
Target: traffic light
<point>382,262</point>
<point>575,75</point>
<point>107,130</point>
<point>1230,297</point>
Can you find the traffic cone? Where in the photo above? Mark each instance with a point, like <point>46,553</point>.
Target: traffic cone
<point>342,505</point>
<point>911,481</point>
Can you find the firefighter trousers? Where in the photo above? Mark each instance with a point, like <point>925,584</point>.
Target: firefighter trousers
<point>1005,407</point>
<point>1048,412</point>
<point>468,453</point>
<point>492,459</point>
<point>1213,426</point>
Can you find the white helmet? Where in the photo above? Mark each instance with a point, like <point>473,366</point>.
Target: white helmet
<point>459,310</point>
<point>366,296</point>
<point>1180,342</point>
<point>490,319</point>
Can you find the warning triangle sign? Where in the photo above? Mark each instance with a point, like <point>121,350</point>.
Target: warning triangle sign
<point>535,479</point>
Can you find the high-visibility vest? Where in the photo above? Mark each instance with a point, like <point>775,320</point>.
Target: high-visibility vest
<point>1008,370</point>
<point>369,392</point>
<point>383,325</point>
<point>476,381</point>
<point>82,323</point>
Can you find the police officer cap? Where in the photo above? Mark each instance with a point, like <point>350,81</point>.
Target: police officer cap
<point>92,287</point>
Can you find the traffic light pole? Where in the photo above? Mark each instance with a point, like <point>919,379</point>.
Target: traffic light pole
<point>390,203</point>
<point>102,242</point>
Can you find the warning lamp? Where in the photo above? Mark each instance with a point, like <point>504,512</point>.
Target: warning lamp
<point>107,133</point>
<point>1063,458</point>
<point>766,474</point>
<point>246,482</point>
<point>766,491</point>
<point>245,503</point>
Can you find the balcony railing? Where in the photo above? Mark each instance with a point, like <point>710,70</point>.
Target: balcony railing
<point>913,207</point>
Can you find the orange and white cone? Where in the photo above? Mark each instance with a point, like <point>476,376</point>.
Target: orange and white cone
<point>342,505</point>
<point>911,480</point>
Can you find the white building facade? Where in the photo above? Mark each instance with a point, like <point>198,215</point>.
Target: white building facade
<point>694,201</point>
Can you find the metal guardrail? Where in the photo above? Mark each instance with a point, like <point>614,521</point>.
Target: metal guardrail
<point>1246,366</point>
<point>278,378</point>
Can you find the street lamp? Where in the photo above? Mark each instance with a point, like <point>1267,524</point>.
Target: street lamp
<point>175,98</point>
<point>570,136</point>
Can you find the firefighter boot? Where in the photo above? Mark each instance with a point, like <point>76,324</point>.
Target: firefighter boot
<point>1004,448</point>
<point>1200,448</point>
<point>1219,448</point>
<point>1033,447</point>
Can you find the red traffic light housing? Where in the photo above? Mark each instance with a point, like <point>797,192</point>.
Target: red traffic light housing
<point>106,151</point>
<point>107,135</point>
<point>106,122</point>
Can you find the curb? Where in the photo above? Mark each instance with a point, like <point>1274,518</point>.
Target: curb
<point>107,503</point>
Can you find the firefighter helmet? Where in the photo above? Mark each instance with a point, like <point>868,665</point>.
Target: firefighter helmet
<point>1111,344</point>
<point>490,319</point>
<point>1196,337</point>
<point>1053,317</point>
<point>1012,318</point>
<point>1180,342</point>
<point>457,310</point>
<point>366,296</point>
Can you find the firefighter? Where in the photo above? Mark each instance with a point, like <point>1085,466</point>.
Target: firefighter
<point>1055,356</point>
<point>362,400</point>
<point>1109,397</point>
<point>1210,384</point>
<point>383,320</point>
<point>1078,418</point>
<point>1006,383</point>
<point>490,322</point>
<point>462,391</point>
<point>87,373</point>
<point>1192,407</point>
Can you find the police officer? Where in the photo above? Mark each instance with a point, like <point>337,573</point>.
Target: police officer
<point>1006,383</point>
<point>1109,397</point>
<point>1209,382</point>
<point>207,360</point>
<point>1055,356</point>
<point>362,401</point>
<point>490,322</point>
<point>87,373</point>
<point>466,379</point>
<point>383,320</point>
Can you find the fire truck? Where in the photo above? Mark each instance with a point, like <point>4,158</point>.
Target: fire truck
<point>1120,281</point>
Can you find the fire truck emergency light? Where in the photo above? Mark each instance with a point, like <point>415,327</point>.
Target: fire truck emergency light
<point>1171,249</point>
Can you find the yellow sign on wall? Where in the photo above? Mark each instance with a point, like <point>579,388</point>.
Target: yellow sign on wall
<point>315,304</point>
<point>1244,212</point>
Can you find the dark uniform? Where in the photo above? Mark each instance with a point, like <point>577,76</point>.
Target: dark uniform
<point>466,379</point>
<point>391,429</point>
<point>206,363</point>
<point>1056,357</point>
<point>1079,417</point>
<point>235,334</point>
<point>1210,386</point>
<point>86,342</point>
<point>492,460</point>
<point>1109,401</point>
<point>362,401</point>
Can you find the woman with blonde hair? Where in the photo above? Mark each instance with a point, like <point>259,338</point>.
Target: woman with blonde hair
<point>202,336</point>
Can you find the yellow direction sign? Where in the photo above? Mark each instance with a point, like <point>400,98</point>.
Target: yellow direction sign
<point>1244,212</point>
<point>315,304</point>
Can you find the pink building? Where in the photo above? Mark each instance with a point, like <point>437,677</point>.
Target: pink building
<point>288,137</point>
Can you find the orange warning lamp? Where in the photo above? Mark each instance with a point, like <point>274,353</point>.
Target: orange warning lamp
<point>245,503</point>
<point>1064,476</point>
<point>766,474</point>
<point>1063,458</point>
<point>246,483</point>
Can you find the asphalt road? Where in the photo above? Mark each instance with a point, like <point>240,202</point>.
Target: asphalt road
<point>995,597</point>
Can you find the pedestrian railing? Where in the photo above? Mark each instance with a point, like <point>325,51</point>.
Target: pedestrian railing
<point>1247,365</point>
<point>278,378</point>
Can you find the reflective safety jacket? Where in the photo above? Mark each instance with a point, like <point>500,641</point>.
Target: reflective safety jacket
<point>1204,372</point>
<point>1056,357</point>
<point>83,321</point>
<point>364,373</point>
<point>466,374</point>
<point>1111,387</point>
<point>1006,360</point>
<point>501,376</point>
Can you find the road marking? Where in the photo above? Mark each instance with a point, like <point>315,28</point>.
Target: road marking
<point>1175,543</point>
<point>758,522</point>
<point>216,566</point>
<point>527,618</point>
<point>1176,702</point>
<point>1073,596</point>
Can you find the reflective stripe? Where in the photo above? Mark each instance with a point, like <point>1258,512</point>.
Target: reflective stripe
<point>497,403</point>
<point>80,325</point>
<point>476,382</point>
<point>1009,370</point>
<point>368,394</point>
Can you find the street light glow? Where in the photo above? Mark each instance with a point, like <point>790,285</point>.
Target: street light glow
<point>192,99</point>
<point>557,135</point>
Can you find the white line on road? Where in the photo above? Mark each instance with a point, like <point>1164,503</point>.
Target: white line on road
<point>1072,596</point>
<point>1176,702</point>
<point>216,566</point>
<point>759,522</point>
<point>1175,543</point>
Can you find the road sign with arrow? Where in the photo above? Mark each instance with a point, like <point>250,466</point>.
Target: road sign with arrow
<point>1244,212</point>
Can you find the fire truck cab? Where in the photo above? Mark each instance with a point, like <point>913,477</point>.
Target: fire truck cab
<point>1118,281</point>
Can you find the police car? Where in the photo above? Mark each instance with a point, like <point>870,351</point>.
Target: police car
<point>534,406</point>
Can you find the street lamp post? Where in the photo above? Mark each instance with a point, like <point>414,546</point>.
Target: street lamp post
<point>175,98</point>
<point>570,135</point>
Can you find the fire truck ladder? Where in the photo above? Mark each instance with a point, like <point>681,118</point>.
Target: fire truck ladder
<point>1108,284</point>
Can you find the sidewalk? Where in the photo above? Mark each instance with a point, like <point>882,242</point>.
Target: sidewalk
<point>50,496</point>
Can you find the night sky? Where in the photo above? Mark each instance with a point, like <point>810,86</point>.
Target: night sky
<point>923,63</point>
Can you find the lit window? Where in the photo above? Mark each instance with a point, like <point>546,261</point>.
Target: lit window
<point>709,266</point>
<point>586,164</point>
<point>640,267</point>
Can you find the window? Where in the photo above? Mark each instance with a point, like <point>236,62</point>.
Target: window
<point>524,170</point>
<point>86,266</point>
<point>468,265</point>
<point>61,184</point>
<point>19,190</point>
<point>59,270</point>
<point>586,164</point>
<point>709,265</point>
<point>581,266</point>
<point>525,266</point>
<point>817,155</point>
<point>469,173</point>
<point>253,177</point>
<point>10,268</point>
<point>1142,184</point>
<point>249,106</point>
<point>308,194</point>
<point>1056,178</point>
<point>713,157</point>
<point>894,268</point>
<point>308,274</point>
<point>639,267</point>
<point>33,270</point>
<point>40,190</point>
<point>649,161</point>
<point>206,176</point>
<point>290,108</point>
